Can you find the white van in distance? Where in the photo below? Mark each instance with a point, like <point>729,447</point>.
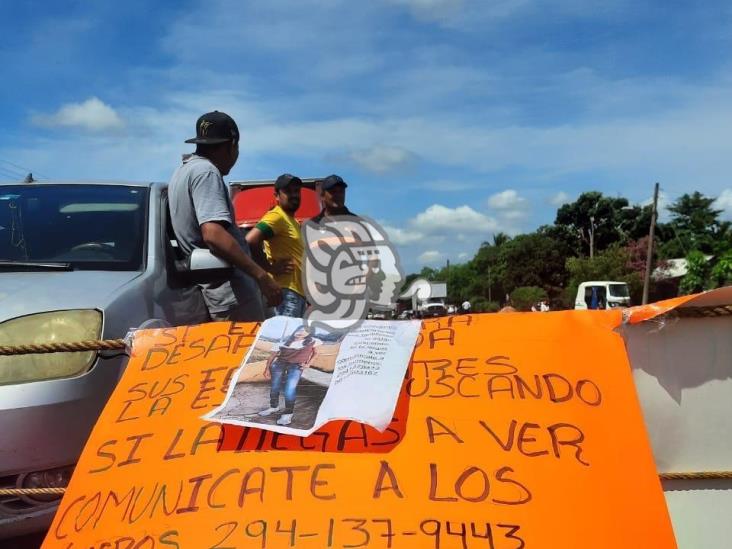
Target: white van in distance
<point>602,294</point>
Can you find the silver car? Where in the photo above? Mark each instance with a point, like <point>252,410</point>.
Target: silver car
<point>78,261</point>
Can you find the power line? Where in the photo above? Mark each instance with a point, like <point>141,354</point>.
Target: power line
<point>23,169</point>
<point>10,167</point>
<point>14,164</point>
<point>12,170</point>
<point>11,175</point>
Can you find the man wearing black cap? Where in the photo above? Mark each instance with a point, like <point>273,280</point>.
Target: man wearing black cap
<point>279,231</point>
<point>332,191</point>
<point>202,216</point>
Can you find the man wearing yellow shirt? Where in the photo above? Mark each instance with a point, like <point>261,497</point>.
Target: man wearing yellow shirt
<point>279,231</point>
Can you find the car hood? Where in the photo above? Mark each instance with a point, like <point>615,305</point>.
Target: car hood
<point>24,293</point>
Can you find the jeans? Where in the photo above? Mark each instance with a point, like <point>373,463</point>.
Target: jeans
<point>291,374</point>
<point>293,304</point>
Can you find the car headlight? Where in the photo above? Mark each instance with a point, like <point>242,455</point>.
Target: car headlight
<point>51,327</point>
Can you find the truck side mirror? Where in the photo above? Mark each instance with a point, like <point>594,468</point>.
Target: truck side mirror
<point>200,267</point>
<point>204,260</point>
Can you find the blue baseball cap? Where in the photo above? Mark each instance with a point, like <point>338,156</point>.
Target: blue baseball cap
<point>331,181</point>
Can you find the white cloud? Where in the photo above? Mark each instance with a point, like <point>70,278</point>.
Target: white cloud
<point>431,257</point>
<point>91,115</point>
<point>549,153</point>
<point>439,218</point>
<point>402,237</point>
<point>560,198</point>
<point>507,200</point>
<point>513,215</point>
<point>511,210</point>
<point>381,159</point>
<point>724,203</point>
<point>655,145</point>
<point>440,232</point>
<point>664,201</point>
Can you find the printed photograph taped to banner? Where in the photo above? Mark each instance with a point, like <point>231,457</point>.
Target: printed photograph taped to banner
<point>285,376</point>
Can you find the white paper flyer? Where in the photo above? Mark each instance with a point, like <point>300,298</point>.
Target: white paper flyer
<point>293,382</point>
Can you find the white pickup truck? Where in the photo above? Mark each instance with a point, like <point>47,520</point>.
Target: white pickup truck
<point>78,261</point>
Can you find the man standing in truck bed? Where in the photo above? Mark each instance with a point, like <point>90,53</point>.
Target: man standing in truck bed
<point>332,191</point>
<point>202,216</point>
<point>279,231</point>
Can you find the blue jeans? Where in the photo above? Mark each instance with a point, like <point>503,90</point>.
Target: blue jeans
<point>293,304</point>
<point>291,374</point>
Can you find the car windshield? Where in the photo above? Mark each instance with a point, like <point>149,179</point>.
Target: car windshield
<point>95,227</point>
<point>619,290</point>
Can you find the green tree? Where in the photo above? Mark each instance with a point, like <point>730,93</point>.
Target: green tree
<point>460,279</point>
<point>428,273</point>
<point>482,305</point>
<point>524,297</point>
<point>533,259</point>
<point>500,238</point>
<point>722,272</point>
<point>634,223</point>
<point>485,267</point>
<point>695,225</point>
<point>611,264</point>
<point>604,220</point>
<point>697,274</point>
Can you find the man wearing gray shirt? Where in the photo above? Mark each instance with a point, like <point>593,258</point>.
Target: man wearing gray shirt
<point>202,216</point>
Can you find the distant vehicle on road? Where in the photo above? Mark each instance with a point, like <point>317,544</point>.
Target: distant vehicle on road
<point>78,261</point>
<point>425,298</point>
<point>433,309</point>
<point>602,294</point>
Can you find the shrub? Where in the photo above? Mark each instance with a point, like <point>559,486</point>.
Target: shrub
<point>696,278</point>
<point>524,297</point>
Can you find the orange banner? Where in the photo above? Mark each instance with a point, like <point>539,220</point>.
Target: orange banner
<point>642,313</point>
<point>512,431</point>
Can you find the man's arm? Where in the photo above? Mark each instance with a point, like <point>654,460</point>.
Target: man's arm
<point>255,238</point>
<point>223,245</point>
<point>255,246</point>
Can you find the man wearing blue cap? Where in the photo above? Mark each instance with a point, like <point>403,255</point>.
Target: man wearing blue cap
<point>332,191</point>
<point>202,216</point>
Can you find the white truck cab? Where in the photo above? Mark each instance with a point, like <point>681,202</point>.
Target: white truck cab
<point>602,294</point>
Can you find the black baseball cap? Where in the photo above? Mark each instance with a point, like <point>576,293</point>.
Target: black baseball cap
<point>285,179</point>
<point>213,128</point>
<point>331,181</point>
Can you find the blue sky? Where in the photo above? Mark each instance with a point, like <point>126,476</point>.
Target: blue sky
<point>450,119</point>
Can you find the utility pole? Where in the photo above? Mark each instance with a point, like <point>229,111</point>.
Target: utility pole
<point>649,257</point>
<point>489,284</point>
<point>592,236</point>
